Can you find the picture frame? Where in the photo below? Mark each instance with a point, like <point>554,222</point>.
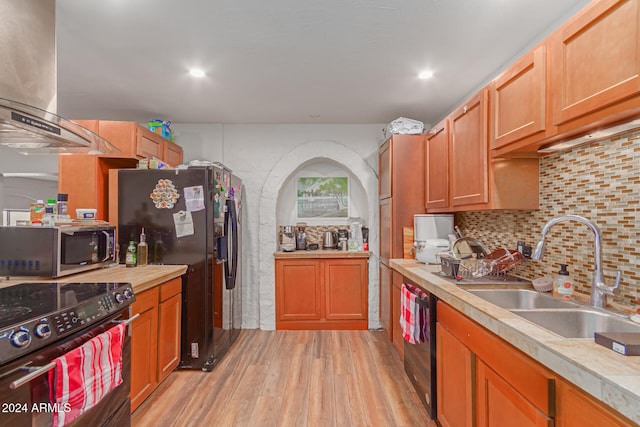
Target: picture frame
<point>322,197</point>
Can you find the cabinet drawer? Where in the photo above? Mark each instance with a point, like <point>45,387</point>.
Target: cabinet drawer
<point>145,301</point>
<point>170,288</point>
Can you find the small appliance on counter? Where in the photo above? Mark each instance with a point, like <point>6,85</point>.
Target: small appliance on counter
<point>301,236</point>
<point>343,239</point>
<point>287,238</point>
<point>330,240</point>
<point>431,236</point>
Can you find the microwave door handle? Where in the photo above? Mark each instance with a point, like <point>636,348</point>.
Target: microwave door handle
<point>108,249</point>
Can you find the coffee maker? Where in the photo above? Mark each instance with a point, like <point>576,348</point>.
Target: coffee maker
<point>301,236</point>
<point>431,236</point>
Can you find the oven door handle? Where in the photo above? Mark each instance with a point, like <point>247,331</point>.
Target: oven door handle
<point>36,371</point>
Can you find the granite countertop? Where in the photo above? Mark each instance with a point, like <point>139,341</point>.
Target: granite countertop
<point>322,253</point>
<point>608,376</point>
<point>141,278</point>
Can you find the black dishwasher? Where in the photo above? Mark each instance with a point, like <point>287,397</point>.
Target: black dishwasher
<point>420,359</point>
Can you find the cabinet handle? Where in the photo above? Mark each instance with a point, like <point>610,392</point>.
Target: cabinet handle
<point>464,109</point>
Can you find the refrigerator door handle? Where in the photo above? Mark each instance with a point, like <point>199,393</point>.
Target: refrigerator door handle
<point>231,219</point>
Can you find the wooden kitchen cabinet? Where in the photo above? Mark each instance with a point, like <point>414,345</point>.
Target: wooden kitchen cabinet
<point>481,183</point>
<point>595,66</point>
<point>155,338</point>
<point>169,321</point>
<point>436,170</point>
<point>172,153</point>
<point>322,293</point>
<point>484,381</point>
<point>401,168</point>
<point>500,404</point>
<point>144,344</point>
<point>576,408</point>
<point>518,100</point>
<point>453,377</point>
<point>470,152</point>
<point>85,178</point>
<point>396,312</point>
<point>386,299</point>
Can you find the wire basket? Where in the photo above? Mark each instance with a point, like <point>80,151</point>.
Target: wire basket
<point>497,263</point>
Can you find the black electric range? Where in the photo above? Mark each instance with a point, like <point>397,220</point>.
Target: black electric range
<point>36,314</point>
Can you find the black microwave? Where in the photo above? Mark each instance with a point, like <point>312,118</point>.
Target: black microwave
<point>55,251</point>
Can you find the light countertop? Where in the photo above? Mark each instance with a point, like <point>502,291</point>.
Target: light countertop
<point>608,376</point>
<point>141,278</point>
<point>322,253</point>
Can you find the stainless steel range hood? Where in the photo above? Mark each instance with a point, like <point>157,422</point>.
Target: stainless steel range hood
<point>28,119</point>
<point>30,130</point>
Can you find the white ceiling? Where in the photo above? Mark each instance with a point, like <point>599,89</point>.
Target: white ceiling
<point>288,61</point>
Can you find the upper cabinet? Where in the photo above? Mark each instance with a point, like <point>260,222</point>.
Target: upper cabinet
<point>583,78</point>
<point>518,101</point>
<point>436,165</point>
<point>469,152</point>
<point>595,65</point>
<point>460,175</point>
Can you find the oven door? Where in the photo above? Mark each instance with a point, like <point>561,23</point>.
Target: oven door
<point>29,404</point>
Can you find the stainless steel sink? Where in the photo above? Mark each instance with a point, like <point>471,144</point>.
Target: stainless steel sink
<point>577,323</point>
<point>520,299</point>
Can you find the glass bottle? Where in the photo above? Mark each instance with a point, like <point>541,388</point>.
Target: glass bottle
<point>143,249</point>
<point>130,259</point>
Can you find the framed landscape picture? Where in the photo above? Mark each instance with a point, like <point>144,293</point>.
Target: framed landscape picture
<point>323,197</point>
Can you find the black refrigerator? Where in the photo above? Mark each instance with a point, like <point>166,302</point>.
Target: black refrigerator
<point>191,216</point>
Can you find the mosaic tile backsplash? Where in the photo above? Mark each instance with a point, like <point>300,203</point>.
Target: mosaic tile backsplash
<point>599,181</point>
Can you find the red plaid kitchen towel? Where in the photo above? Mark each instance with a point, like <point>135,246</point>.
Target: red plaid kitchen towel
<point>407,313</point>
<point>83,376</point>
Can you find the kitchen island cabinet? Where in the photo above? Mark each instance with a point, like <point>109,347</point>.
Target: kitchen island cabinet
<point>522,368</point>
<point>321,290</point>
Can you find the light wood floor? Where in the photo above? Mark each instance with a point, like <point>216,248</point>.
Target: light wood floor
<point>292,378</point>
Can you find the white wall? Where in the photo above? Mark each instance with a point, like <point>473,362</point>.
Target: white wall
<point>266,157</point>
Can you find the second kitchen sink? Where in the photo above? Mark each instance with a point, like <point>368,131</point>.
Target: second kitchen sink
<point>578,323</point>
<point>520,299</point>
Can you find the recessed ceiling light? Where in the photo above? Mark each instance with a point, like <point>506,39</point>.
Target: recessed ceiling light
<point>425,75</point>
<point>196,72</point>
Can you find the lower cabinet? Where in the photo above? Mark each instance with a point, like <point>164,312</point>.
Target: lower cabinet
<point>155,338</point>
<point>398,339</point>
<point>386,299</point>
<point>322,293</point>
<point>484,381</point>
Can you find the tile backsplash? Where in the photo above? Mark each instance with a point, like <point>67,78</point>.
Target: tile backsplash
<point>599,181</point>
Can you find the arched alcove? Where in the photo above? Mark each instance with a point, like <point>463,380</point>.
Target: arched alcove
<point>280,174</point>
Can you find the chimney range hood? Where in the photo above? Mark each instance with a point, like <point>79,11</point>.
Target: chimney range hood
<point>31,130</point>
<point>28,86</point>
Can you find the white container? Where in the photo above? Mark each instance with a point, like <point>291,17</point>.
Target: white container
<point>86,213</point>
<point>431,236</point>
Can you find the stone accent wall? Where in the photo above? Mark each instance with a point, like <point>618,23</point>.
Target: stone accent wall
<point>599,181</point>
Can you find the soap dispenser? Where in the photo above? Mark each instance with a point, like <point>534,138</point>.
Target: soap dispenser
<point>563,285</point>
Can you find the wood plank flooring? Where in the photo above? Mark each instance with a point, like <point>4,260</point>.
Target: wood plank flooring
<point>292,378</point>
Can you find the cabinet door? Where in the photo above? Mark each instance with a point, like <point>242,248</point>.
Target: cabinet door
<point>437,167</point>
<point>386,229</point>
<point>398,339</point>
<point>171,153</point>
<point>148,144</point>
<point>144,347</point>
<point>384,170</point>
<point>518,99</point>
<point>595,60</point>
<point>385,299</point>
<point>576,408</point>
<point>345,287</point>
<point>298,285</point>
<point>453,377</point>
<point>499,404</point>
<point>169,336</point>
<point>469,152</point>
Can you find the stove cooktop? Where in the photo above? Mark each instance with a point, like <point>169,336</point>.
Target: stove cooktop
<point>36,314</point>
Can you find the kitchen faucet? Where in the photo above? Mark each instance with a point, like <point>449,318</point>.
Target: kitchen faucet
<point>599,289</point>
